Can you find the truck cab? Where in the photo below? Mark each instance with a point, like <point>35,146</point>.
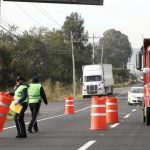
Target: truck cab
<point>97,80</point>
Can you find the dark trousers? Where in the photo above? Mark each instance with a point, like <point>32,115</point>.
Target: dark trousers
<point>19,120</point>
<point>34,107</point>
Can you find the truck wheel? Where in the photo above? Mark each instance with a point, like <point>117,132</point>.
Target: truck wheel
<point>147,118</point>
<point>85,96</point>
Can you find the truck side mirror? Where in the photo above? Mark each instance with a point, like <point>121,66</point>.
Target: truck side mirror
<point>138,61</point>
<point>145,70</point>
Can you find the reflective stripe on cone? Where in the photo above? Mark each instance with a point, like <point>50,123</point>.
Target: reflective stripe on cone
<point>112,110</point>
<point>69,105</point>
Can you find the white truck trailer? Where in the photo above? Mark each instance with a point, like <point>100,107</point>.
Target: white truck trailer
<point>97,80</point>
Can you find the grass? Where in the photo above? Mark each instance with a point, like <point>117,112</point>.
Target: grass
<point>58,91</point>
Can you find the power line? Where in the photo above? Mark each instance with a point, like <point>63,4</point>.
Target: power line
<point>8,31</point>
<point>45,13</point>
<point>9,25</point>
<point>8,20</point>
<point>27,14</point>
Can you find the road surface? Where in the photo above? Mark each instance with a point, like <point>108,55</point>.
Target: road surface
<point>58,131</point>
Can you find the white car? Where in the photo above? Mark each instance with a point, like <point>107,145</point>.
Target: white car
<point>136,95</point>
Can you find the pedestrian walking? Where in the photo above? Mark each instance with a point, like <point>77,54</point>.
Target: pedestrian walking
<point>20,97</point>
<point>36,94</point>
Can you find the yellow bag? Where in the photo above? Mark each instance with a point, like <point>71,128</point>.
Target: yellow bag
<point>15,107</point>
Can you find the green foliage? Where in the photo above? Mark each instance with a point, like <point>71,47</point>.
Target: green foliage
<point>82,50</point>
<point>49,53</point>
<point>116,48</point>
<point>121,75</point>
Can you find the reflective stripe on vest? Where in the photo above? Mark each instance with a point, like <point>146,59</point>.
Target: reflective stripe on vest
<point>34,93</point>
<point>19,93</point>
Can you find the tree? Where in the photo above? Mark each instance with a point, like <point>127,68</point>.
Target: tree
<point>59,57</point>
<point>121,75</point>
<point>7,42</point>
<point>30,55</point>
<point>116,48</point>
<point>74,23</point>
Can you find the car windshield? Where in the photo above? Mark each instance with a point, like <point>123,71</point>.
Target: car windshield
<point>92,78</point>
<point>137,90</point>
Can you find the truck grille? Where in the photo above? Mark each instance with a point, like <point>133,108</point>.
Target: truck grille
<point>92,89</point>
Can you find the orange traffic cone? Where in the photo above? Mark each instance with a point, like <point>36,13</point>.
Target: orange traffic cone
<point>112,110</point>
<point>98,114</point>
<point>5,101</point>
<point>69,106</point>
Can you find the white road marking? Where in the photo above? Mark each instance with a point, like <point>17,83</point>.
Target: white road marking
<point>49,118</point>
<point>87,145</point>
<point>83,109</point>
<point>134,110</point>
<point>114,125</point>
<point>127,116</point>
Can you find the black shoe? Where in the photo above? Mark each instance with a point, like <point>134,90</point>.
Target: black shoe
<point>30,131</point>
<point>36,130</point>
<point>21,136</point>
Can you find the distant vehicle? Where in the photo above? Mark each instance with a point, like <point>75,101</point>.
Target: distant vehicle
<point>97,80</point>
<point>136,95</point>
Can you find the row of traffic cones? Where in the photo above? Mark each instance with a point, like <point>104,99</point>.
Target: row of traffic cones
<point>104,111</point>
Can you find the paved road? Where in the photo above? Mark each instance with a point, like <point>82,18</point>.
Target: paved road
<point>72,132</point>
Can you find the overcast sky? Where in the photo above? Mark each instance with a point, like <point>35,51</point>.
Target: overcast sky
<point>131,17</point>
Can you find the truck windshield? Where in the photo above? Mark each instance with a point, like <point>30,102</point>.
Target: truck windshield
<point>92,78</point>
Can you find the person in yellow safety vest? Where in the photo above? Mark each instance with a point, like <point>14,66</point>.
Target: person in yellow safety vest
<point>21,97</point>
<point>36,93</point>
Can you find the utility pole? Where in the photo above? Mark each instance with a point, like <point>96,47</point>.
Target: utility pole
<point>0,11</point>
<point>102,53</point>
<point>73,66</point>
<point>93,49</point>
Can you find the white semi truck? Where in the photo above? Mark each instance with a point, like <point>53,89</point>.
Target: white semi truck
<point>97,80</point>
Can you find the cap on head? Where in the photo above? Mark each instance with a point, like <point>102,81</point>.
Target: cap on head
<point>20,79</point>
<point>35,79</point>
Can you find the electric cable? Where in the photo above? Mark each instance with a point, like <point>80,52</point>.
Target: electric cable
<point>28,14</point>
